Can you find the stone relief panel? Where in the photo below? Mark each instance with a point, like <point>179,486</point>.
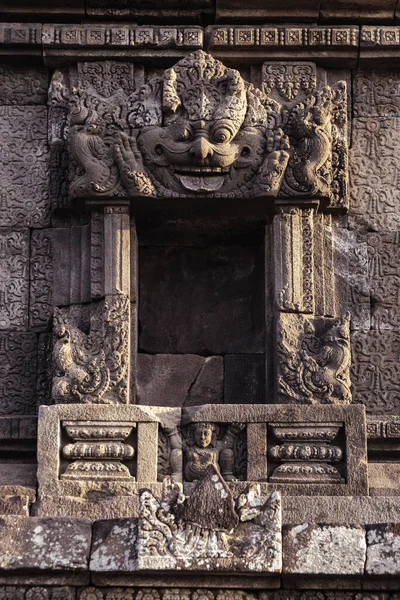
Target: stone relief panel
<point>18,360</point>
<point>24,164</point>
<point>92,367</point>
<point>14,279</point>
<point>23,86</point>
<point>210,529</point>
<point>200,129</point>
<point>41,279</point>
<point>373,170</point>
<point>313,360</point>
<point>376,94</point>
<point>374,371</point>
<point>384,276</point>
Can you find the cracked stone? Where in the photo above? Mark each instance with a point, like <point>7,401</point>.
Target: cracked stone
<point>179,380</point>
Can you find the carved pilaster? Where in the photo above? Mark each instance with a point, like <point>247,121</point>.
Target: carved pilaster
<point>116,250</point>
<point>293,259</point>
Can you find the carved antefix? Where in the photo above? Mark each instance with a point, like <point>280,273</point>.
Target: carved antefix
<point>200,129</point>
<point>313,360</point>
<point>92,367</point>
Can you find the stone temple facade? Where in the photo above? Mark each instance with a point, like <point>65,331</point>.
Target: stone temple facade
<point>200,300</point>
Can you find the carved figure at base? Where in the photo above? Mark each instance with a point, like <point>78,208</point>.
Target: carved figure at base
<point>201,448</point>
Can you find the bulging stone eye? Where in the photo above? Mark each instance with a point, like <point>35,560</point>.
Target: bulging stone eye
<point>221,135</point>
<point>185,135</point>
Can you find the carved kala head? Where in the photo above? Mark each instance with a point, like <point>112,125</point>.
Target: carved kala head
<point>211,125</point>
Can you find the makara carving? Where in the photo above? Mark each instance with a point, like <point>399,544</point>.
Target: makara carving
<point>93,367</point>
<point>200,129</point>
<point>209,530</point>
<point>314,358</point>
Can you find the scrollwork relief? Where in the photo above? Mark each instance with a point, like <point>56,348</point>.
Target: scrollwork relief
<point>92,367</point>
<point>313,357</point>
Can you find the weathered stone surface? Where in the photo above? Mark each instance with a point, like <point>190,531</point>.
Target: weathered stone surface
<point>70,265</point>
<point>374,373</point>
<point>179,380</point>
<point>353,292</point>
<point>41,279</point>
<point>44,544</point>
<point>106,507</point>
<point>373,174</point>
<point>124,440</point>
<point>244,379</point>
<point>349,510</point>
<point>91,363</point>
<point>383,550</point>
<point>24,166</point>
<point>316,431</point>
<point>157,163</point>
<point>14,279</point>
<point>313,360</point>
<point>384,277</point>
<point>23,86</point>
<point>376,94</point>
<point>324,549</point>
<point>292,42</point>
<point>192,11</point>
<point>115,546</point>
<point>18,373</point>
<point>218,290</point>
<point>203,532</point>
<point>14,505</point>
<point>293,259</point>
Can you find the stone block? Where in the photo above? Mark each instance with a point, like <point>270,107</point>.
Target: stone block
<point>18,360</point>
<point>373,174</point>
<point>384,279</point>
<point>257,11</point>
<point>191,11</point>
<point>14,505</point>
<point>352,277</point>
<point>124,440</point>
<point>22,85</point>
<point>218,290</point>
<point>95,509</point>
<point>212,534</point>
<point>24,165</point>
<point>295,449</point>
<point>383,550</point>
<point>14,279</point>
<point>312,359</point>
<point>179,380</point>
<point>244,379</point>
<point>374,373</point>
<point>376,94</point>
<point>115,546</point>
<point>372,11</point>
<point>313,549</point>
<point>71,265</point>
<point>293,248</point>
<point>44,544</point>
<point>41,279</point>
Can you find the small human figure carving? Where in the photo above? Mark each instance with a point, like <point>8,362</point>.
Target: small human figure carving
<point>202,448</point>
